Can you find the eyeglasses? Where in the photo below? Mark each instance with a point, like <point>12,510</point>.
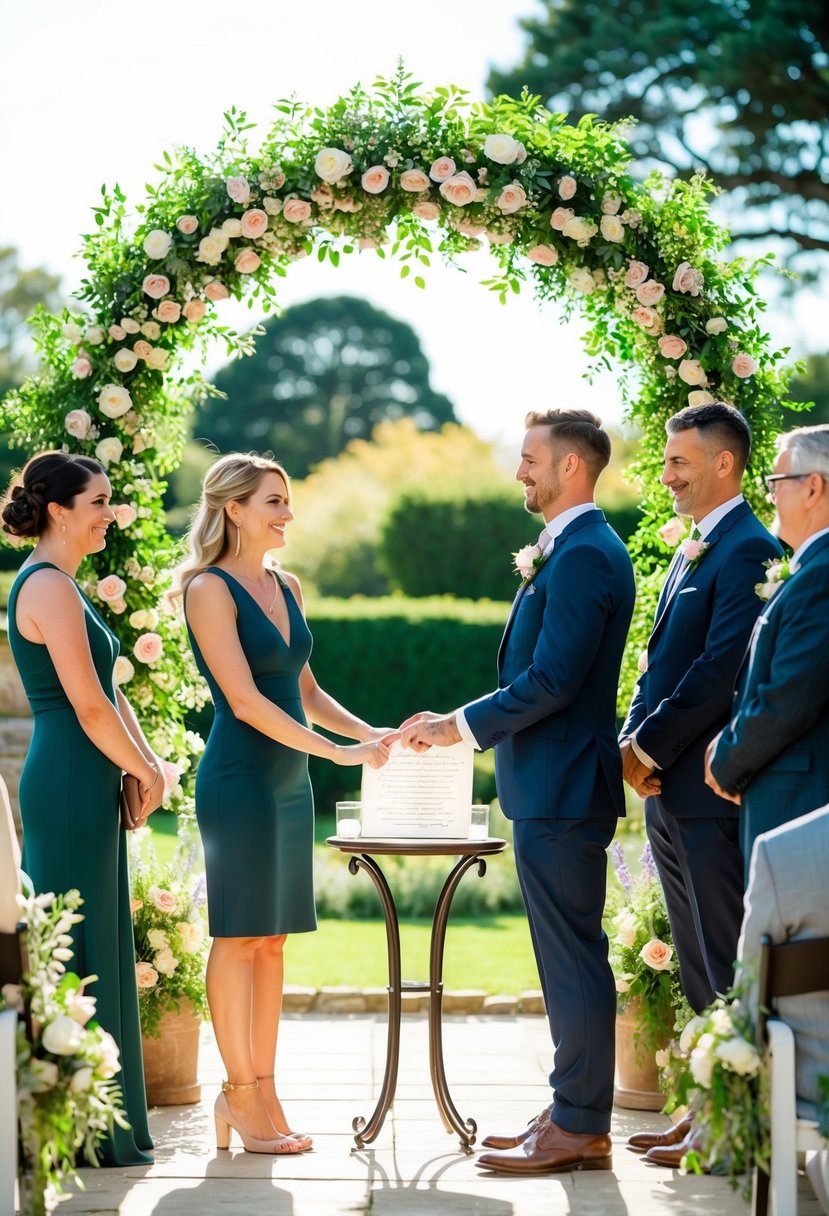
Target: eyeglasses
<point>773,478</point>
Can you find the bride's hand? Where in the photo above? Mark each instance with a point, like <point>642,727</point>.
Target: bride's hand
<point>381,734</point>
<point>373,754</point>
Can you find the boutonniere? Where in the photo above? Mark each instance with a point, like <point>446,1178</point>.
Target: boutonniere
<point>527,562</point>
<point>777,571</point>
<point>695,551</point>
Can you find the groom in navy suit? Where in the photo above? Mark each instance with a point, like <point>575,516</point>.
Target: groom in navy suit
<point>559,776</point>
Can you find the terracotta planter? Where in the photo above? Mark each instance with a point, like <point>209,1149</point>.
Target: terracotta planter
<point>171,1060</point>
<point>637,1076</point>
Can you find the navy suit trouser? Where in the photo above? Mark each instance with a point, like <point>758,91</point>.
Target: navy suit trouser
<point>700,866</point>
<point>562,869</point>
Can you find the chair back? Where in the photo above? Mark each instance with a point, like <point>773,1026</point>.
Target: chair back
<point>789,969</point>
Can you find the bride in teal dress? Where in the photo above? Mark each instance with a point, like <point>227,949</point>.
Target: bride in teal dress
<point>253,797</point>
<point>85,734</point>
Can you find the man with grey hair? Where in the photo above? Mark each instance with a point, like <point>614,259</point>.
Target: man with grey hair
<point>773,756</point>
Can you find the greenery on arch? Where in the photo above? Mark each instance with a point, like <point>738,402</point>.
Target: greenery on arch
<point>411,176</point>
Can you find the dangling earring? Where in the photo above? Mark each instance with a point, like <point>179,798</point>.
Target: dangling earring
<point>63,534</point>
<point>238,538</point>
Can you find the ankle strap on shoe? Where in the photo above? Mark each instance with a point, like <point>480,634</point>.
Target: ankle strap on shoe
<point>227,1087</point>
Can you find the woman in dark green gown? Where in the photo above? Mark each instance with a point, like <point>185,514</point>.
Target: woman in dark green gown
<point>253,798</point>
<point>84,736</point>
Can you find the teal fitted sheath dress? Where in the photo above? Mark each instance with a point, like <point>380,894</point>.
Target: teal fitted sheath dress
<point>72,837</point>
<point>254,804</point>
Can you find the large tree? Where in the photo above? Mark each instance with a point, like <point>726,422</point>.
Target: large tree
<point>323,373</point>
<point>739,88</point>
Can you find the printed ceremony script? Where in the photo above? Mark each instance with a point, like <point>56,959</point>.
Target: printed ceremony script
<point>419,795</point>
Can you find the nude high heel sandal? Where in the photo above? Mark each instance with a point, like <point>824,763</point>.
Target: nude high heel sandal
<point>302,1138</point>
<point>224,1120</point>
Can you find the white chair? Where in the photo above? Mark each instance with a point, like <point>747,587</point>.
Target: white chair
<point>789,969</point>
<point>11,965</point>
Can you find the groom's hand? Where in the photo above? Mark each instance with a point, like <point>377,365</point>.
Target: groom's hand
<point>710,779</point>
<point>425,730</point>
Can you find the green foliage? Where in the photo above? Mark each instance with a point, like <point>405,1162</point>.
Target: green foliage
<point>809,391</point>
<point>755,72</point>
<point>323,373</point>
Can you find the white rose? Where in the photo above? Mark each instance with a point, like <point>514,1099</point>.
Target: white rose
<point>72,332</point>
<point>94,336</point>
<point>612,228</point>
<point>232,227</point>
<point>125,359</point>
<point>165,962</point>
<point>743,365</point>
<point>81,1080</point>
<point>109,450</point>
<point>158,358</point>
<point>691,371</point>
<point>191,935</point>
<point>622,985</point>
<point>611,203</point>
<point>582,280</point>
<point>110,1056</point>
<point>625,923</point>
<point>114,400</point>
<point>331,164</point>
<point>62,1036</point>
<point>78,424</point>
<point>151,330</point>
<point>702,1061</point>
<point>503,149</point>
<point>158,939</point>
<point>721,1022</point>
<point>44,1074</point>
<point>130,326</point>
<point>700,396</point>
<point>690,1034</point>
<point>124,670</point>
<point>238,189</point>
<point>717,325</point>
<point>740,1056</point>
<point>157,244</point>
<point>579,230</point>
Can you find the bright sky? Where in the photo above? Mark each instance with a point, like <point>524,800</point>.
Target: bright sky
<point>94,92</point>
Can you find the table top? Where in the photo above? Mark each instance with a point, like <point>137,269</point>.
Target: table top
<point>407,846</point>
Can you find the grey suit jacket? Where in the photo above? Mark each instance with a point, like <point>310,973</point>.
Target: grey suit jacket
<point>787,899</point>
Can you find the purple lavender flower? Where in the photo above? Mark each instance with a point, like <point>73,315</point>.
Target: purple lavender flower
<point>199,897</point>
<point>622,871</point>
<point>647,863</point>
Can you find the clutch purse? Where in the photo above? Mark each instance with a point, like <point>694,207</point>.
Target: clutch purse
<point>127,820</point>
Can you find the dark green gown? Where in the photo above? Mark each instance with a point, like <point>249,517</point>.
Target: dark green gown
<point>254,804</point>
<point>72,837</point>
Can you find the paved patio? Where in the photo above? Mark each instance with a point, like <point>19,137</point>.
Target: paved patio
<point>331,1069</point>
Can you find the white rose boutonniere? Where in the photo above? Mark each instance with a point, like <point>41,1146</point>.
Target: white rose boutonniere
<point>528,561</point>
<point>777,571</point>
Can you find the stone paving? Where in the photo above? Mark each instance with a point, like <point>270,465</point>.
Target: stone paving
<point>330,1070</point>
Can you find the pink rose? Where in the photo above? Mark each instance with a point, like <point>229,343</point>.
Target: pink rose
<point>657,954</point>
<point>168,311</point>
<point>442,169</point>
<point>157,359</point>
<point>543,255</point>
<point>459,189</point>
<point>156,286</point>
<point>671,532</point>
<point>511,199</point>
<point>561,217</point>
<point>526,558</point>
<point>469,228</point>
<point>146,975</point>
<point>687,279</point>
<point>375,179</point>
<point>78,423</point>
<point>321,195</point>
<point>194,310</point>
<point>499,238</point>
<point>162,899</point>
<point>611,203</point>
<point>691,549</point>
<point>148,648</point>
<point>637,272</point>
<point>81,367</point>
<point>743,365</point>
<point>254,223</point>
<point>117,333</point>
<point>142,349</point>
<point>125,514</point>
<point>247,260</point>
<point>567,187</point>
<point>426,210</point>
<point>216,290</point>
<point>118,606</point>
<point>691,371</point>
<point>129,325</point>
<point>671,346</point>
<point>647,318</point>
<point>650,293</point>
<point>187,224</point>
<point>414,180</point>
<point>238,189</point>
<point>347,204</point>
<point>296,210</point>
<point>111,588</point>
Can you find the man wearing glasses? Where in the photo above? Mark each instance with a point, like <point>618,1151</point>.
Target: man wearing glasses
<point>773,756</point>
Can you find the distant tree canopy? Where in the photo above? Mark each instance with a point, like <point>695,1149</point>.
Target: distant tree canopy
<point>813,385</point>
<point>323,373</point>
<point>739,88</point>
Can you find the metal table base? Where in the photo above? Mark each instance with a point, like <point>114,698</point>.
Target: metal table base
<point>470,853</point>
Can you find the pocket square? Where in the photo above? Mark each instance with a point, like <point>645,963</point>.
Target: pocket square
<point>530,590</point>
<point>687,590</point>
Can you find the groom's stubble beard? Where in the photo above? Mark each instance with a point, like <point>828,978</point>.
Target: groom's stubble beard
<point>544,493</point>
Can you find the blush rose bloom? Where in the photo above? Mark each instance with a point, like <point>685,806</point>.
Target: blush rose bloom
<point>148,649</point>
<point>162,899</point>
<point>657,954</point>
<point>123,670</point>
<point>717,325</point>
<point>612,228</point>
<point>687,279</point>
<point>647,318</point>
<point>426,210</point>
<point>414,181</point>
<point>94,336</point>
<point>194,310</point>
<point>526,558</point>
<point>114,400</point>
<point>247,261</point>
<point>125,514</point>
<point>671,346</point>
<point>442,169</point>
<point>125,359</point>
<point>146,975</point>
<point>81,367</point>
<point>156,286</point>
<point>78,424</point>
<point>215,290</point>
<point>117,333</point>
<point>671,532</point>
<point>157,359</point>
<point>110,588</point>
<point>503,149</point>
<point>743,365</point>
<point>375,179</point>
<point>142,349</point>
<point>254,223</point>
<point>459,189</point>
<point>168,311</point>
<point>232,228</point>
<point>157,244</point>
<point>238,189</point>
<point>511,199</point>
<point>543,255</point>
<point>611,203</point>
<point>650,293</point>
<point>187,224</point>
<point>637,272</point>
<point>130,326</point>
<point>691,549</point>
<point>560,217</point>
<point>567,187</point>
<point>296,210</point>
<point>109,450</point>
<point>331,164</point>
<point>691,371</point>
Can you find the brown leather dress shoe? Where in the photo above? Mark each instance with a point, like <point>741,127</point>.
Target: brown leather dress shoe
<point>549,1149</point>
<point>502,1142</point>
<point>671,1156</point>
<point>642,1141</point>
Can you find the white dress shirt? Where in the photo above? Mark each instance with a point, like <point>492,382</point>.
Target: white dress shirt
<point>801,549</point>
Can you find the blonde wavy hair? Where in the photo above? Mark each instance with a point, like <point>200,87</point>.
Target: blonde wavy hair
<point>232,478</point>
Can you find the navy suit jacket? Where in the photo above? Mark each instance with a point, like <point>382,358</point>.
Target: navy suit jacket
<point>775,750</point>
<point>552,720</point>
<point>698,640</point>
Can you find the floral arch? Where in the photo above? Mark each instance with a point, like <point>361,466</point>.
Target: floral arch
<point>410,176</point>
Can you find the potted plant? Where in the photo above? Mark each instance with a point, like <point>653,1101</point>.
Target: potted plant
<point>170,952</point>
<point>647,981</point>
<point>68,1097</point>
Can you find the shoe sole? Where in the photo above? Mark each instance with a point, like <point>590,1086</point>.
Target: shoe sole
<point>597,1163</point>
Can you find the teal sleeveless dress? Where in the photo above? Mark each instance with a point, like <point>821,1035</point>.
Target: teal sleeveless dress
<point>254,805</point>
<point>72,837</point>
